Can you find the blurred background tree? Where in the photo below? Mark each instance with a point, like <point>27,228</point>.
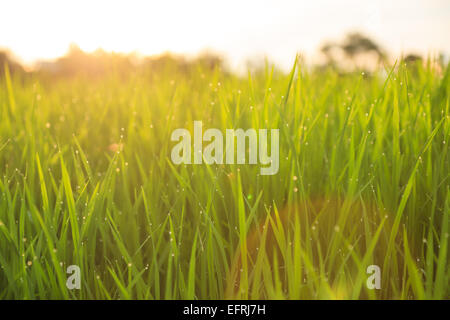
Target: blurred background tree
<point>355,52</point>
<point>6,59</point>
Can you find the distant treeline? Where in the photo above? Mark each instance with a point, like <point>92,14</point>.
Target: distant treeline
<point>354,52</point>
<point>77,62</point>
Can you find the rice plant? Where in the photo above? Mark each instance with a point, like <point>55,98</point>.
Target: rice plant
<point>87,180</point>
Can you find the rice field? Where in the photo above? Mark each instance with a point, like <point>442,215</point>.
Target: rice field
<point>86,179</point>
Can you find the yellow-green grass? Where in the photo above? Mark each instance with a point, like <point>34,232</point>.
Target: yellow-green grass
<point>86,179</point>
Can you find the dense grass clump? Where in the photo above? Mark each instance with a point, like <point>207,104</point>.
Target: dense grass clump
<point>86,179</point>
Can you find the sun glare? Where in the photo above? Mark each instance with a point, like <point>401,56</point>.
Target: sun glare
<point>240,30</point>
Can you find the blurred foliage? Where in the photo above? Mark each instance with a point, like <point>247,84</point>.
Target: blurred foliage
<point>101,63</point>
<point>6,59</point>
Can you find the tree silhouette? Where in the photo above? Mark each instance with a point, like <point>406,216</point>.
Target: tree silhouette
<point>354,45</point>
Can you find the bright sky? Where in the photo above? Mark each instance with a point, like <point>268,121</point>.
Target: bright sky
<point>240,29</point>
